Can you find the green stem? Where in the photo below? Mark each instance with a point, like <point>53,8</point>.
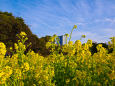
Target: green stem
<point>71,33</point>
<point>1,62</point>
<point>113,44</point>
<point>66,39</point>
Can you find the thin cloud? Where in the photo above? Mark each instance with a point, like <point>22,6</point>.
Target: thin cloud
<point>109,20</point>
<point>48,17</point>
<point>110,32</point>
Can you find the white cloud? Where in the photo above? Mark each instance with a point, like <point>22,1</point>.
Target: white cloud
<point>104,20</point>
<point>110,20</point>
<point>110,32</point>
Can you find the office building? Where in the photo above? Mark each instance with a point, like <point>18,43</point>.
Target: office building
<point>62,40</point>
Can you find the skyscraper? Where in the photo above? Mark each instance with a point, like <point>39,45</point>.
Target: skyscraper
<point>62,40</point>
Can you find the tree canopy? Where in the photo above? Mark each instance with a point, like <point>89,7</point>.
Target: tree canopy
<point>10,26</point>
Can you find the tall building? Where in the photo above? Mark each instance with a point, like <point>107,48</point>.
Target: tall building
<point>62,40</point>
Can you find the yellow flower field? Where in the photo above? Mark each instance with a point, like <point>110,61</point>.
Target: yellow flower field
<point>73,66</point>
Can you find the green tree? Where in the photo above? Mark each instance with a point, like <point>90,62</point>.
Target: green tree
<point>10,26</point>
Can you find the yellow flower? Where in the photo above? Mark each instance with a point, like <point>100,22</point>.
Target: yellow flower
<point>98,84</point>
<point>16,46</point>
<point>22,47</point>
<point>1,74</point>
<point>54,35</point>
<point>3,80</point>
<point>85,46</point>
<point>78,45</point>
<point>99,46</point>
<point>67,35</point>
<point>78,42</point>
<point>67,81</point>
<point>75,26</point>
<point>40,82</point>
<point>8,70</point>
<point>23,34</point>
<point>2,49</point>
<point>21,83</point>
<point>10,48</point>
<point>46,77</point>
<point>83,36</point>
<point>70,43</point>
<point>48,44</point>
<point>4,74</point>
<point>112,75</point>
<point>26,66</point>
<point>34,84</point>
<point>62,58</point>
<point>18,73</point>
<point>89,42</point>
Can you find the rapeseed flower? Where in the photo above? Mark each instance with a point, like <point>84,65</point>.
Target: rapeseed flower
<point>23,34</point>
<point>75,26</point>
<point>2,50</point>
<point>26,66</point>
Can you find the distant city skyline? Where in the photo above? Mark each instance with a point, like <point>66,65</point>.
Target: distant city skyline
<point>94,18</point>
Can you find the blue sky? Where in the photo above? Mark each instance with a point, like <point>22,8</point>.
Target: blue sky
<point>94,18</point>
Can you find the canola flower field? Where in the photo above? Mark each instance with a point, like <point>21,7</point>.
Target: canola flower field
<point>69,65</point>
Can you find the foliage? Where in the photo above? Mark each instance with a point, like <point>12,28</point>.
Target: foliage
<point>10,26</point>
<point>24,70</point>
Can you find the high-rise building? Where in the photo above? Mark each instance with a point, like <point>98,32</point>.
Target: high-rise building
<point>62,40</point>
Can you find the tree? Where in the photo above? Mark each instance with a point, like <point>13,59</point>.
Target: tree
<point>10,26</point>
